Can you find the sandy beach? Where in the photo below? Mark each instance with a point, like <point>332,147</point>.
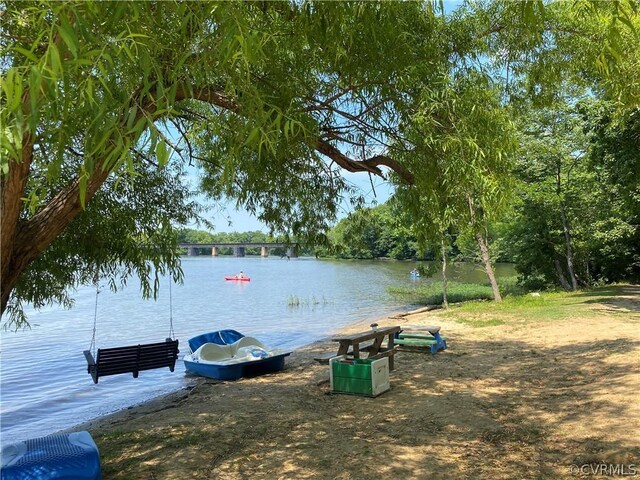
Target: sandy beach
<point>524,399</point>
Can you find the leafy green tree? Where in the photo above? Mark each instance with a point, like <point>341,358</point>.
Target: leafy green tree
<point>544,47</point>
<point>189,235</point>
<point>614,160</point>
<point>544,53</point>
<point>464,139</point>
<point>554,148</point>
<point>130,219</point>
<point>261,95</point>
<point>577,219</point>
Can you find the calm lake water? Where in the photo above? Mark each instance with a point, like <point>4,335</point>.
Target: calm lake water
<point>44,385</point>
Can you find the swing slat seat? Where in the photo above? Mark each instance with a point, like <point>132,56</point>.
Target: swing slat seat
<point>132,359</point>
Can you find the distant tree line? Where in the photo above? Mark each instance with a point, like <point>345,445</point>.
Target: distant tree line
<point>377,232</point>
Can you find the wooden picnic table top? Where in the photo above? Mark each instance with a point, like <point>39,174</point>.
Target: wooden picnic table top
<point>368,335</point>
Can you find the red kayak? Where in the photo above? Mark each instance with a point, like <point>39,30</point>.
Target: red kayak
<point>239,279</point>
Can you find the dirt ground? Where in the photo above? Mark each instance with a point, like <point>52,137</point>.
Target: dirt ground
<point>537,400</point>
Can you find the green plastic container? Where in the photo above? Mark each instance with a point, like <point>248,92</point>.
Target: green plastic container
<point>359,376</point>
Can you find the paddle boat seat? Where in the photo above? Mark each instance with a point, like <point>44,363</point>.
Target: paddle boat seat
<point>242,349</point>
<point>212,352</point>
<point>248,341</point>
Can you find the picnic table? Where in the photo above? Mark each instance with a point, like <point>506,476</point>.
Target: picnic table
<point>371,342</point>
<point>419,336</point>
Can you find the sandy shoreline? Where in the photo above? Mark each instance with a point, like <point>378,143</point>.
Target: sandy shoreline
<point>303,354</point>
<point>518,400</point>
<point>299,358</point>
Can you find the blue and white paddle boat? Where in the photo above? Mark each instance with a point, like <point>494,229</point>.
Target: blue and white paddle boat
<point>229,355</point>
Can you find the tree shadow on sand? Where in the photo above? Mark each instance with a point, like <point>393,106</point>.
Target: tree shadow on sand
<point>500,409</point>
<point>615,299</point>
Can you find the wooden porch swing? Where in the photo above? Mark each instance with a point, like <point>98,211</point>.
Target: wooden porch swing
<point>132,358</point>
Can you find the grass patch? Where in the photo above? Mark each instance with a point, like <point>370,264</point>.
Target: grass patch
<point>457,292</point>
<point>547,306</point>
<point>431,293</point>
<point>477,309</point>
<point>479,322</point>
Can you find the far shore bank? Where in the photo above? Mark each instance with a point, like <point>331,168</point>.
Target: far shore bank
<point>553,384</point>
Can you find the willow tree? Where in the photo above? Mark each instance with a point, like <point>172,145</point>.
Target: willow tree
<point>271,99</point>
<point>559,51</point>
<point>464,141</point>
<point>546,45</point>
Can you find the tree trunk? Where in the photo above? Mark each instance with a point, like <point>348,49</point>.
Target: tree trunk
<point>567,234</point>
<point>12,187</point>
<point>34,235</point>
<point>484,253</point>
<point>445,300</point>
<point>486,259</point>
<point>563,280</point>
<point>567,239</point>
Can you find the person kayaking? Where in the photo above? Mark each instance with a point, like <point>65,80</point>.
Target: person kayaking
<point>415,273</point>
<point>241,275</point>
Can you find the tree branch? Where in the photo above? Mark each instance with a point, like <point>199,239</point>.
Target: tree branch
<point>215,97</point>
<point>370,165</point>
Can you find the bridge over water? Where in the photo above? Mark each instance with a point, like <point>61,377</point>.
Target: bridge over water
<point>239,248</point>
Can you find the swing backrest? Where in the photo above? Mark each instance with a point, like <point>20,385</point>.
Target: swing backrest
<point>132,359</point>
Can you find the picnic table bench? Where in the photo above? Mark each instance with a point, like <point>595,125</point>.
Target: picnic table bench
<point>414,337</point>
<point>370,341</point>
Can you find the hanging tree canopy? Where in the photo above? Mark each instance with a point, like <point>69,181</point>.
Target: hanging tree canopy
<point>270,99</point>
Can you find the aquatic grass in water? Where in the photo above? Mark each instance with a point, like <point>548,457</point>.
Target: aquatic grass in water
<point>296,302</point>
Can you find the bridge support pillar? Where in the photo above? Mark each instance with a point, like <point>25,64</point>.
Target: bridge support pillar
<point>238,251</point>
<point>292,252</point>
<point>264,251</point>
<point>192,251</point>
<point>214,251</point>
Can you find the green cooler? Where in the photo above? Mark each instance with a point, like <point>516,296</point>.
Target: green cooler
<point>359,376</point>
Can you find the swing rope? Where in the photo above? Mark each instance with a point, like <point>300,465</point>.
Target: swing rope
<point>171,332</point>
<point>92,346</point>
